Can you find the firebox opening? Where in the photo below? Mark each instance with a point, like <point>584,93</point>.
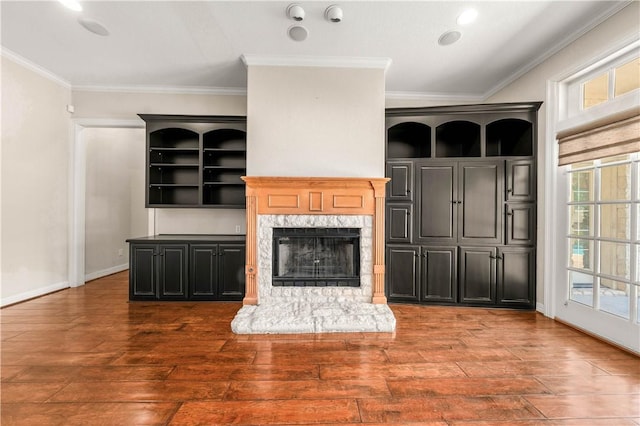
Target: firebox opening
<point>316,257</point>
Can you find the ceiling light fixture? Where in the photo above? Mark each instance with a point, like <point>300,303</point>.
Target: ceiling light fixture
<point>298,33</point>
<point>467,17</point>
<point>333,13</point>
<point>295,12</point>
<point>93,26</point>
<point>449,37</point>
<point>72,4</point>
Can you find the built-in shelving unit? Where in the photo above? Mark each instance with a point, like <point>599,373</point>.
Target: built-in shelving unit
<point>461,204</point>
<point>195,161</point>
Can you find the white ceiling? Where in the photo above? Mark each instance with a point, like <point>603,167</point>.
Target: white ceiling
<point>197,45</point>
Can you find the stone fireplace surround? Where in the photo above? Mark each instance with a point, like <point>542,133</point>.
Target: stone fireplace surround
<point>277,202</point>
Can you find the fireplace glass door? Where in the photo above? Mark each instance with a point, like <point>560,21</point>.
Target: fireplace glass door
<point>316,257</point>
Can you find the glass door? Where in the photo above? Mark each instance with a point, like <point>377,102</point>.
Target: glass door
<point>603,249</point>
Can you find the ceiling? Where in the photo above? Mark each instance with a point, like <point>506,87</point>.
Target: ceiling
<point>197,45</point>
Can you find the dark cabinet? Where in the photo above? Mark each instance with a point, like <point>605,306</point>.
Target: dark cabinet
<point>176,267</point>
<point>417,274</point>
<point>217,271</point>
<point>461,204</point>
<point>160,271</point>
<point>399,224</point>
<point>195,161</point>
<point>497,275</point>
<point>400,187</point>
<point>439,274</point>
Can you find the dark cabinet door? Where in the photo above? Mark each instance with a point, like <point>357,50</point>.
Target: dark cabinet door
<point>436,207</point>
<point>142,271</point>
<point>400,187</point>
<point>402,273</point>
<point>231,277</point>
<point>520,223</point>
<point>172,271</point>
<point>521,180</point>
<point>478,275</point>
<point>204,271</point>
<point>438,274</point>
<point>516,276</point>
<point>399,223</point>
<point>480,193</point>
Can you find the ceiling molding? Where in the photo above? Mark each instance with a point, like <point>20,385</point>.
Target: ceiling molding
<point>43,72</point>
<point>185,90</point>
<point>615,8</point>
<point>434,96</point>
<point>315,61</point>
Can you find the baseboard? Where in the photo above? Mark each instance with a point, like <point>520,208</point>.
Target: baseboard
<point>540,307</point>
<point>105,272</point>
<point>12,300</point>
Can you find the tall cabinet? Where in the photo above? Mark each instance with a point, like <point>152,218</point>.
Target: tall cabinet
<point>461,204</point>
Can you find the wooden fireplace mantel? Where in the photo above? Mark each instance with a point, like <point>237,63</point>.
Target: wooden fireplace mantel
<point>314,195</point>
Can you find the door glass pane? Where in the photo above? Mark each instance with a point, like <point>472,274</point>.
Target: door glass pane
<point>581,220</point>
<point>614,297</point>
<point>581,287</point>
<point>615,183</point>
<point>615,221</point>
<point>615,259</point>
<point>627,77</point>
<point>581,253</point>
<point>596,91</point>
<point>582,186</point>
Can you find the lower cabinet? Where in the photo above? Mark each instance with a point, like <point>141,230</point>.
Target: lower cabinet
<point>476,276</point>
<point>502,276</point>
<point>217,272</point>
<point>417,274</point>
<point>200,269</point>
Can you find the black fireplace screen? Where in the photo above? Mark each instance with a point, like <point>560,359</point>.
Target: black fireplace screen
<point>316,257</point>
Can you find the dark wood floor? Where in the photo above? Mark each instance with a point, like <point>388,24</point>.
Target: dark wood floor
<point>87,356</point>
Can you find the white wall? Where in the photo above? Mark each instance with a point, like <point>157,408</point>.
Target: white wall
<point>315,121</point>
<point>533,87</point>
<point>113,105</point>
<point>114,209</point>
<point>35,181</point>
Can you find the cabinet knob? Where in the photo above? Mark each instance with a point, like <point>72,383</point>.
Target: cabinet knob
<point>408,192</point>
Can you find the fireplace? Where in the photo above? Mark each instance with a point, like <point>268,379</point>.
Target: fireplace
<point>316,257</point>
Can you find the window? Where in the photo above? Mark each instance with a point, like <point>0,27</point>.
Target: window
<point>615,82</point>
<point>604,233</point>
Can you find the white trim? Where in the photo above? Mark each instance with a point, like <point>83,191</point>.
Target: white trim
<point>435,96</point>
<point>43,72</point>
<point>315,61</point>
<point>105,272</point>
<point>549,170</point>
<point>77,181</point>
<point>540,307</point>
<point>33,293</point>
<point>185,90</point>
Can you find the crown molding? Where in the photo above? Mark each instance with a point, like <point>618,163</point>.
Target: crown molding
<point>183,90</point>
<point>315,61</point>
<point>434,96</point>
<point>588,26</point>
<point>43,72</point>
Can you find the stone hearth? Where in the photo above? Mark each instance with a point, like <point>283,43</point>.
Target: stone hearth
<point>314,202</point>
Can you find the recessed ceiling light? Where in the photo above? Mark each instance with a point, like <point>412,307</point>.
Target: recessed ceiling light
<point>72,4</point>
<point>298,33</point>
<point>449,37</point>
<point>93,26</point>
<point>467,17</point>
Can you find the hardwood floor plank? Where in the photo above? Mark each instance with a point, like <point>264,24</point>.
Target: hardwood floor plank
<point>87,356</point>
